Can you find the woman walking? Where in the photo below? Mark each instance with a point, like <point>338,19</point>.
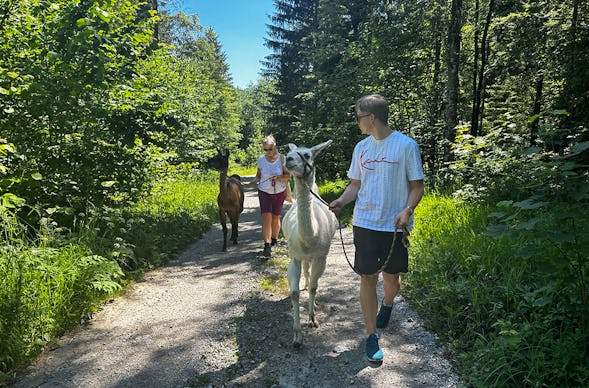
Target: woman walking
<point>272,179</point>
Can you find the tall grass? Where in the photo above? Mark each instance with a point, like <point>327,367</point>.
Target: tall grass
<point>45,290</point>
<point>53,283</point>
<point>510,317</point>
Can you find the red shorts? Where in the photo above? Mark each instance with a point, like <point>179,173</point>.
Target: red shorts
<point>271,203</point>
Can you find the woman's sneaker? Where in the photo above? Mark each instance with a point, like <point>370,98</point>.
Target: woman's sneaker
<point>384,315</point>
<point>373,351</point>
<point>267,251</point>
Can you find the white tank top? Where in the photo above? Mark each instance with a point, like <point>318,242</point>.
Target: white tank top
<point>268,171</point>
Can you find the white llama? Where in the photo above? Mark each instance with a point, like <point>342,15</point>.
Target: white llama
<point>308,227</point>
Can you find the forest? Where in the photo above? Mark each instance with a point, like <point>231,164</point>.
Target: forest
<point>110,109</point>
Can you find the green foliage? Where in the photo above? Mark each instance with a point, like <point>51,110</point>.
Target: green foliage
<point>69,55</point>
<point>44,291</point>
<point>253,103</point>
<point>330,191</point>
<point>328,53</point>
<point>94,106</point>
<point>512,311</point>
<point>50,286</point>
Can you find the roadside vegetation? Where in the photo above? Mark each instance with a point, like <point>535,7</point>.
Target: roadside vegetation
<point>58,280</point>
<point>111,109</point>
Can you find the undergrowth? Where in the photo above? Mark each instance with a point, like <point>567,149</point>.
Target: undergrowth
<point>512,310</point>
<point>56,281</point>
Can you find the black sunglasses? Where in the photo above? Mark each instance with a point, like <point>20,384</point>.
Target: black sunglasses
<point>358,117</point>
<point>267,149</point>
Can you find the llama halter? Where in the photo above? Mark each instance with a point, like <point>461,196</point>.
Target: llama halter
<point>311,168</point>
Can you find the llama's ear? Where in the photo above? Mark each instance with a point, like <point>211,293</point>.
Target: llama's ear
<point>292,146</point>
<point>320,147</point>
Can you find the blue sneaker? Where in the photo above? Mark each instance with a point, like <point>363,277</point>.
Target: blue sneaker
<point>383,317</point>
<point>372,349</point>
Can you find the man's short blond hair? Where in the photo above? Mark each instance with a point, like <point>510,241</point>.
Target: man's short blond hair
<point>375,104</point>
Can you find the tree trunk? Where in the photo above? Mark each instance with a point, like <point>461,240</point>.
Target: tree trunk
<point>435,105</point>
<point>481,77</point>
<point>537,108</point>
<point>474,121</point>
<point>454,39</point>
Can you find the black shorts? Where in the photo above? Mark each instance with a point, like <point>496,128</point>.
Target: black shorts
<point>373,248</point>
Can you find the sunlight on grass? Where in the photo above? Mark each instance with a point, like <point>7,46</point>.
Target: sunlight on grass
<point>242,171</point>
<point>274,274</point>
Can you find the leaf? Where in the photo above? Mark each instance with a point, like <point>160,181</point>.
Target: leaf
<point>497,214</point>
<point>11,201</point>
<point>104,16</point>
<point>579,148</point>
<point>37,176</point>
<point>108,183</point>
<point>81,22</point>
<point>531,150</point>
<point>558,112</point>
<point>528,204</point>
<point>559,237</point>
<point>527,225</point>
<point>497,231</point>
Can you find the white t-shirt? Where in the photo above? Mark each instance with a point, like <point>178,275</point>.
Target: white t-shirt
<point>268,171</point>
<point>384,168</point>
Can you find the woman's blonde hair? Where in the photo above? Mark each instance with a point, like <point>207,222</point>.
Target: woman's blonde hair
<point>269,140</point>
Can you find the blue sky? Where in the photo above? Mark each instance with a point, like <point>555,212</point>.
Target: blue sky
<point>241,28</point>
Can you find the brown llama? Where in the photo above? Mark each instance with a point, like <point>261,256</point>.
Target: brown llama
<point>230,198</point>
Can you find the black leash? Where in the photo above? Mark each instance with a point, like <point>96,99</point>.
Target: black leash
<point>390,255</point>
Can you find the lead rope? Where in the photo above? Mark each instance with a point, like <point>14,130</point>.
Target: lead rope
<point>390,255</point>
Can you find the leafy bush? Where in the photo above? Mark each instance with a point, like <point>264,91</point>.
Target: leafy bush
<point>52,284</point>
<point>511,310</point>
<point>44,291</point>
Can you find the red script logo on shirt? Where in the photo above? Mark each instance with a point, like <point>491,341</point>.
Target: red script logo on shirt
<point>365,162</point>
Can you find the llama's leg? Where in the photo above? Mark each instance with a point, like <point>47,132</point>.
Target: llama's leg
<point>306,265</point>
<point>294,276</point>
<point>317,269</point>
<point>234,217</point>
<point>223,220</point>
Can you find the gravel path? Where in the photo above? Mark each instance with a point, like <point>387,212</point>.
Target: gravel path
<point>203,321</point>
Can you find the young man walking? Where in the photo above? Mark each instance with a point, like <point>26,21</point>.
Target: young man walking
<point>386,181</point>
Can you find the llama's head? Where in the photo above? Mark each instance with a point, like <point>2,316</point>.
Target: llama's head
<point>220,161</point>
<point>300,161</point>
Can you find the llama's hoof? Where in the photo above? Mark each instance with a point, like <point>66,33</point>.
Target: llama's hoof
<point>297,339</point>
<point>235,242</point>
<point>313,324</point>
<point>224,249</point>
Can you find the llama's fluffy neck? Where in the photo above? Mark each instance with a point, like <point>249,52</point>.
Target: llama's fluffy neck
<point>303,186</point>
<point>223,183</point>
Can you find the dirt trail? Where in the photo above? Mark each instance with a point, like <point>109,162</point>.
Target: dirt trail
<point>202,321</point>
